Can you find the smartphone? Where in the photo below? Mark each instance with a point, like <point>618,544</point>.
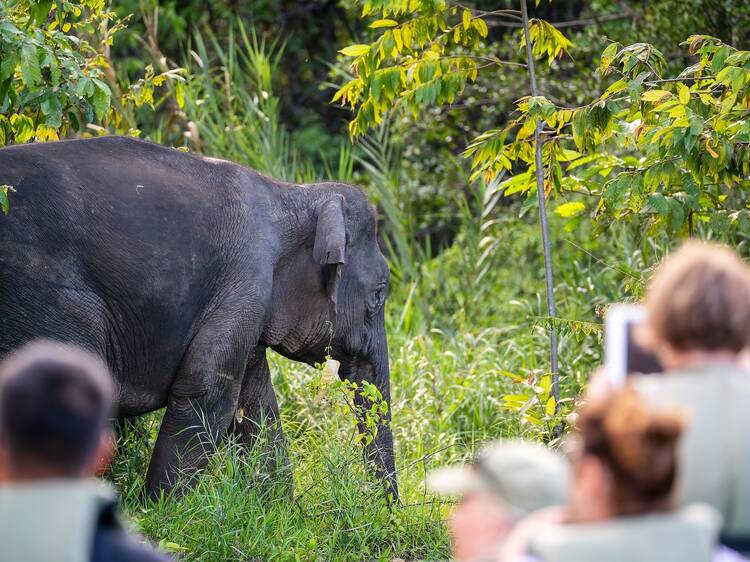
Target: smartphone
<point>623,354</point>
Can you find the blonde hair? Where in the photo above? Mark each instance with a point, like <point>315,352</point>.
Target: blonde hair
<point>699,298</point>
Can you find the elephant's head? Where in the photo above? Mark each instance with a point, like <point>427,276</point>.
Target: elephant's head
<point>331,293</point>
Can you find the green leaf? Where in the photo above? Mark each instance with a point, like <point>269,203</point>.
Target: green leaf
<point>615,88</point>
<point>103,86</point>
<point>571,209</point>
<point>355,50</point>
<point>52,109</point>
<point>74,121</point>
<point>4,201</point>
<point>40,10</point>
<point>659,204</point>
<point>30,70</point>
<point>101,99</point>
<point>4,88</point>
<point>579,128</point>
<point>717,63</point>
<point>677,213</point>
<point>608,55</point>
<point>383,23</point>
<point>8,62</point>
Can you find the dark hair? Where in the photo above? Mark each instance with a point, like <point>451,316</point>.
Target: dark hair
<point>637,445</point>
<point>55,401</point>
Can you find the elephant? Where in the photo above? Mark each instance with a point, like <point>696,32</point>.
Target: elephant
<point>181,271</point>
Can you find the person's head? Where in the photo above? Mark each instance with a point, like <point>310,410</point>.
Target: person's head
<point>55,404</point>
<point>698,306</point>
<point>625,458</point>
<point>507,481</point>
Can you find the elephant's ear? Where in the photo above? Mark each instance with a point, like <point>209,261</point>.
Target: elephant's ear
<point>330,246</point>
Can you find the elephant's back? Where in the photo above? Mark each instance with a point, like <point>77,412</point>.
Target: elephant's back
<point>114,172</point>
<point>131,238</point>
<point>116,200</point>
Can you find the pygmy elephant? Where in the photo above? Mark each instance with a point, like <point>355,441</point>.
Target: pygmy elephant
<point>180,271</point>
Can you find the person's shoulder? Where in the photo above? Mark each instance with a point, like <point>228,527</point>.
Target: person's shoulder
<point>113,545</point>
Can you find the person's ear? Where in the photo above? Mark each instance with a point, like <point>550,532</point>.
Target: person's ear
<point>105,452</point>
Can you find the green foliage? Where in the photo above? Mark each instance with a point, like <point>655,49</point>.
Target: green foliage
<point>52,74</point>
<point>55,76</point>
<point>234,111</point>
<point>691,133</point>
<point>423,57</point>
<point>663,151</point>
<point>546,39</point>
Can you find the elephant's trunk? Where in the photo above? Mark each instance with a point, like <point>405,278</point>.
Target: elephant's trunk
<point>379,450</point>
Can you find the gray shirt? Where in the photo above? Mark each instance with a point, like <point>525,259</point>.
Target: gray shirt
<point>714,454</point>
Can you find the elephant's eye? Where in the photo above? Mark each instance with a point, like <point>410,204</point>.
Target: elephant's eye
<point>376,299</point>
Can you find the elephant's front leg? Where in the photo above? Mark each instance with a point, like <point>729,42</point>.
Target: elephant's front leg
<point>257,413</point>
<point>200,408</point>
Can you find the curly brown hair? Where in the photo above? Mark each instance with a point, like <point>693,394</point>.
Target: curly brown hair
<point>637,445</point>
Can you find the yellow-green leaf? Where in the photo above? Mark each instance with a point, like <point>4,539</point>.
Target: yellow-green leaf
<point>654,95</point>
<point>549,408</point>
<point>481,26</point>
<point>546,383</point>
<point>171,546</point>
<point>467,19</point>
<point>684,93</point>
<point>383,23</point>
<point>179,94</point>
<point>614,88</point>
<point>570,209</point>
<point>567,155</point>
<point>23,127</point>
<point>355,50</point>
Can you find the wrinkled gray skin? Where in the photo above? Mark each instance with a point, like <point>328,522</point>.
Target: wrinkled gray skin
<point>181,271</point>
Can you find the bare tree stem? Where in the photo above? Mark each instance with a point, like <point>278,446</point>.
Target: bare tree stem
<point>551,306</point>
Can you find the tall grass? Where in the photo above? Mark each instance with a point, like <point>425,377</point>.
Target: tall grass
<point>235,113</point>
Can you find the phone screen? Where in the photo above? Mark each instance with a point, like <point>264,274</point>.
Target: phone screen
<point>624,355</point>
<point>638,359</point>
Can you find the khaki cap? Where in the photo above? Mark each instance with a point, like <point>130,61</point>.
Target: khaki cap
<point>522,476</point>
